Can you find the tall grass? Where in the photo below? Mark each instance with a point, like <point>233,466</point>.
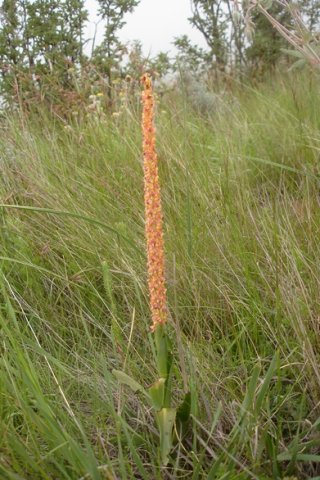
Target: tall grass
<point>241,205</point>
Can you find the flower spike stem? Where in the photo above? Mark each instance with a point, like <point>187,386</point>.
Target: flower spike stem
<point>169,419</point>
<point>160,391</point>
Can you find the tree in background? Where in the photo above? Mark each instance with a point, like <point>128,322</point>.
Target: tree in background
<point>74,16</point>
<point>56,29</point>
<point>266,46</point>
<point>161,64</point>
<point>209,17</point>
<point>222,26</point>
<point>137,63</point>
<point>10,44</point>
<point>190,57</point>
<point>39,41</point>
<point>42,44</point>
<point>310,10</point>
<point>297,29</point>
<point>108,55</point>
<point>219,23</point>
<point>45,29</point>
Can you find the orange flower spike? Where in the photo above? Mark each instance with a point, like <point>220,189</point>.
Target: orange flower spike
<point>153,211</point>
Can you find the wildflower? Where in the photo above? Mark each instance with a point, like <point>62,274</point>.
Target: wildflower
<point>100,94</point>
<point>153,211</point>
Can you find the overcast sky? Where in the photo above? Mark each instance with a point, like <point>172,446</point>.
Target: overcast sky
<point>154,22</point>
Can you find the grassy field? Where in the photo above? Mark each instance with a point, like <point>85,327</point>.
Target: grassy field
<point>240,188</point>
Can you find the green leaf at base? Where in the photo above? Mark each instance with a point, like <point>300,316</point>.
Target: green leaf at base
<point>129,381</point>
<point>157,393</point>
<point>166,418</point>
